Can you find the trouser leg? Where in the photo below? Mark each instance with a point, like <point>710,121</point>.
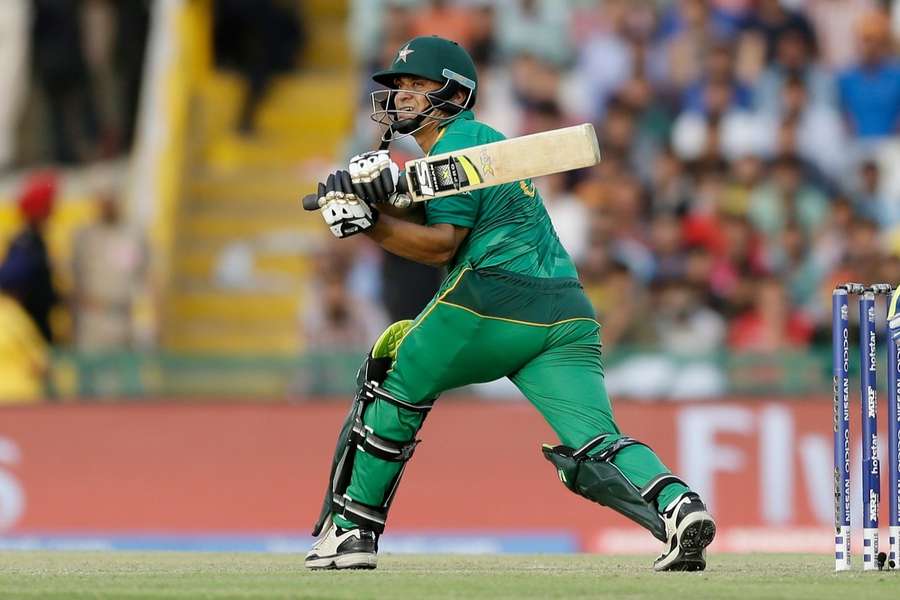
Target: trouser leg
<point>446,347</point>
<point>565,383</point>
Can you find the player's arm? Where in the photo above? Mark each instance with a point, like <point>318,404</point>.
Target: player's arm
<point>415,213</point>
<point>432,245</point>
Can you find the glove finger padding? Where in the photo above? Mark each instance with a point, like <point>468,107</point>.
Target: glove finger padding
<point>378,186</point>
<point>373,175</point>
<point>320,195</point>
<point>329,188</point>
<point>343,212</point>
<point>387,182</point>
<point>345,186</point>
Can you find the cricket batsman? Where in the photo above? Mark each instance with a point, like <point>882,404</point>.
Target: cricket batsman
<point>511,306</point>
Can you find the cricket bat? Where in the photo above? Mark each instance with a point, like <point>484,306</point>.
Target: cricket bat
<point>470,169</point>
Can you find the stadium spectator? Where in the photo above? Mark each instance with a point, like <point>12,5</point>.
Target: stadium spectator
<point>812,130</point>
<point>870,90</point>
<point>794,59</point>
<point>683,324</point>
<point>770,324</point>
<point>617,133</point>
<point>629,234</point>
<point>668,248</point>
<point>336,324</point>
<point>787,197</point>
<point>864,251</point>
<point>98,24</point>
<point>24,356</point>
<point>26,272</point>
<point>719,69</point>
<point>618,298</point>
<point>653,120</point>
<point>869,200</point>
<point>259,39</point>
<point>684,51</point>
<point>671,186</point>
<point>540,27</point>
<point>61,70</point>
<point>334,318</point>
<point>834,22</point>
<point>483,48</point>
<point>745,175</point>
<point>771,21</point>
<point>109,268</point>
<point>795,264</point>
<point>721,130</point>
<point>445,19</point>
<point>609,55</point>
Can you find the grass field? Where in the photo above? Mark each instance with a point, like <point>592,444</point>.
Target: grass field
<point>193,575</point>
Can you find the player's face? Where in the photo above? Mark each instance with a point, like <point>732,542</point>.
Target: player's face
<point>410,94</point>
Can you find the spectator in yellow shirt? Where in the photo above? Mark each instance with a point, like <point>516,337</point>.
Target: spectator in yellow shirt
<point>23,355</point>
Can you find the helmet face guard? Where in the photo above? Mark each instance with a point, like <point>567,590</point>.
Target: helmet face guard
<point>400,123</point>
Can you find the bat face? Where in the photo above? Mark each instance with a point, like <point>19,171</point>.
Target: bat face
<point>501,162</point>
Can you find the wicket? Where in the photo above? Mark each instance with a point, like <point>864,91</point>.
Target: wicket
<point>871,467</point>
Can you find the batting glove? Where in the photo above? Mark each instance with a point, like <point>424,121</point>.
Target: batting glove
<point>374,177</point>
<point>344,212</point>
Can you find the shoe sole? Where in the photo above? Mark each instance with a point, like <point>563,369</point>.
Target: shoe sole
<point>694,534</point>
<point>355,560</point>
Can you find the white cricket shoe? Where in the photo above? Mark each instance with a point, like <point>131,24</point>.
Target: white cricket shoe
<point>339,548</point>
<point>690,529</point>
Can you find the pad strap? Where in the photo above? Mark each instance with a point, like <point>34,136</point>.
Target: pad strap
<point>656,485</point>
<point>619,444</point>
<point>590,445</point>
<point>364,515</point>
<point>372,391</point>
<point>371,443</point>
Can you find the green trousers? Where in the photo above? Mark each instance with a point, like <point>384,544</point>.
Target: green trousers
<point>487,324</point>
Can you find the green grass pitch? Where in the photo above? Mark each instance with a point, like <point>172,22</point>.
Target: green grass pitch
<point>40,574</point>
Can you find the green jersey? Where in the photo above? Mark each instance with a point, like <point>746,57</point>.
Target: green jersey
<point>509,226</point>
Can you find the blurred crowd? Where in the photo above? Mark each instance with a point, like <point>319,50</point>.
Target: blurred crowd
<point>750,156</point>
<point>70,71</point>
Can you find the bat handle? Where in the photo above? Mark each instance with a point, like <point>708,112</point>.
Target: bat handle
<point>311,202</point>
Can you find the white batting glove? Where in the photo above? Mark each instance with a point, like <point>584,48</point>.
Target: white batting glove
<point>344,213</point>
<point>374,176</point>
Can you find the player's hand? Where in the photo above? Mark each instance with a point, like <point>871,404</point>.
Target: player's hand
<point>344,212</point>
<point>374,176</point>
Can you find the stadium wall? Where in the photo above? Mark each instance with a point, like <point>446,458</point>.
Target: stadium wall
<point>242,477</point>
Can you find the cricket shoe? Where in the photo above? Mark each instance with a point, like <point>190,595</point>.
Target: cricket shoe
<point>690,529</point>
<point>339,548</point>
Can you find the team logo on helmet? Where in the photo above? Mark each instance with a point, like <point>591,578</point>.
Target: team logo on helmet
<point>404,52</point>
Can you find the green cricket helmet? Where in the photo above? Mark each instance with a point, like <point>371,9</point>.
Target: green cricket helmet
<point>429,57</point>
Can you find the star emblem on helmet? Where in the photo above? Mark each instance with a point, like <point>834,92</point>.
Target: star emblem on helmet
<point>404,52</point>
